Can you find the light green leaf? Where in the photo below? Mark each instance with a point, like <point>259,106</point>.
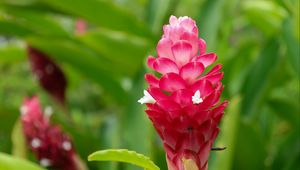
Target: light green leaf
<point>37,21</point>
<point>209,21</point>
<point>158,12</point>
<point>123,155</point>
<point>189,8</point>
<point>12,52</point>
<point>102,13</point>
<point>297,20</point>
<point>8,162</point>
<point>129,52</point>
<point>18,140</point>
<point>19,2</point>
<point>266,15</point>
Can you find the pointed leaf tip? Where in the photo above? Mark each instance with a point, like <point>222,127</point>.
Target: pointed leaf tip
<point>123,155</point>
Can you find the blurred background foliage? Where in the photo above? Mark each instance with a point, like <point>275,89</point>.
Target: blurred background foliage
<point>257,42</point>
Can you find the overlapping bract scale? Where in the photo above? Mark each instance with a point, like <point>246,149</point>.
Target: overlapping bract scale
<point>51,146</point>
<point>187,127</point>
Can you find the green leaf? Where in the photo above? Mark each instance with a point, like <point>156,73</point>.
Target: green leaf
<point>189,8</point>
<point>284,101</point>
<point>287,152</point>
<point>130,50</point>
<point>123,155</point>
<point>19,2</point>
<point>236,68</point>
<point>293,45</point>
<point>8,162</point>
<point>134,121</point>
<point>249,152</point>
<point>8,116</point>
<point>102,13</point>
<point>297,20</point>
<point>266,15</point>
<point>228,135</point>
<point>14,29</point>
<point>18,140</point>
<point>209,21</point>
<point>286,110</point>
<point>110,133</point>
<point>12,52</point>
<point>158,12</point>
<point>259,77</point>
<point>38,21</point>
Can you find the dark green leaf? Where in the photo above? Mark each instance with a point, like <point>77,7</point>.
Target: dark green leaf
<point>13,29</point>
<point>249,152</point>
<point>259,77</point>
<point>293,46</point>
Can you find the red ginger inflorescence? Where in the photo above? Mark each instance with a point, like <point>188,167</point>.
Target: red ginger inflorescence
<point>183,104</point>
<point>50,145</point>
<point>48,73</point>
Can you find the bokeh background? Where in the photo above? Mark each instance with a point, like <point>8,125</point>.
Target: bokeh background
<point>257,41</point>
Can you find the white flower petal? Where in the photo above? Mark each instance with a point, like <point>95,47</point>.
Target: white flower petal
<point>48,111</point>
<point>36,142</point>
<point>45,162</point>
<point>147,98</point>
<point>196,98</point>
<point>66,145</point>
<point>24,110</point>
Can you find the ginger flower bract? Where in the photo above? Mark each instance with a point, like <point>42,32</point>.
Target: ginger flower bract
<point>50,76</point>
<point>50,145</point>
<point>184,102</point>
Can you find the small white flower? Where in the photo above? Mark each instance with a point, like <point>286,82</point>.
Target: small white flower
<point>147,98</point>
<point>36,142</point>
<point>66,145</point>
<point>48,111</point>
<point>196,98</point>
<point>24,110</point>
<point>45,162</point>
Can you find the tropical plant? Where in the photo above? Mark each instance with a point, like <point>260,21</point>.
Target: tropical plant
<point>257,42</point>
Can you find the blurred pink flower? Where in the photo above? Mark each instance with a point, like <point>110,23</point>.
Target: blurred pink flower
<point>50,145</point>
<point>80,26</point>
<point>183,104</point>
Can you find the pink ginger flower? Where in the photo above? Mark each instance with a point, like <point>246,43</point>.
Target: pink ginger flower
<point>50,145</point>
<point>80,26</point>
<point>183,103</point>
